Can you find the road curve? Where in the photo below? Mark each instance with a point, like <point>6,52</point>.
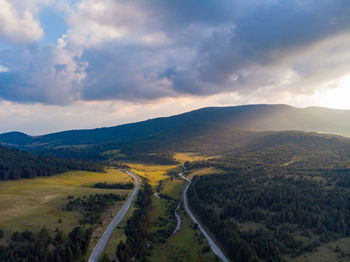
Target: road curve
<point>211,242</point>
<point>102,242</point>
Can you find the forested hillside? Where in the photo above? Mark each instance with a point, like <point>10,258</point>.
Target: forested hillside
<point>204,130</point>
<point>280,195</point>
<point>16,164</point>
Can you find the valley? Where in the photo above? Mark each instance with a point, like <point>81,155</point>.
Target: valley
<point>174,131</point>
<point>273,195</point>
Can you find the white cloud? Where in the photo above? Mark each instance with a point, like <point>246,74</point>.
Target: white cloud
<point>146,50</point>
<point>3,68</point>
<point>18,25</point>
<point>95,22</point>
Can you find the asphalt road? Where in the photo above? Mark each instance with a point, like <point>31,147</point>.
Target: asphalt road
<point>211,242</point>
<point>102,242</point>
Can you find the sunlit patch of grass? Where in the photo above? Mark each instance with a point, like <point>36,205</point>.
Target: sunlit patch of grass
<point>183,157</point>
<point>154,173</point>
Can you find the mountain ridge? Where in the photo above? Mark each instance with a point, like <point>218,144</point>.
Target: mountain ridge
<point>194,124</point>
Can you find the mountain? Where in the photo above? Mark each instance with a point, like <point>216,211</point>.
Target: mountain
<point>16,138</point>
<point>207,127</point>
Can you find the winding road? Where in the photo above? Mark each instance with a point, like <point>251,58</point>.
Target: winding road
<point>211,242</point>
<point>102,242</point>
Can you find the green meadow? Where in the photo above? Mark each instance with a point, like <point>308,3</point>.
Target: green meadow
<point>26,203</point>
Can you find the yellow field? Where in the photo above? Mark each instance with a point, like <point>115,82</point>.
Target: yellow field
<point>29,204</point>
<point>154,173</point>
<point>183,157</point>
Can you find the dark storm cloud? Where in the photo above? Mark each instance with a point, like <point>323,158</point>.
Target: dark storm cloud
<point>264,35</point>
<point>190,48</point>
<point>122,73</point>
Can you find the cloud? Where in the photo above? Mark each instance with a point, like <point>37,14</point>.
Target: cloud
<point>49,75</point>
<point>146,50</point>
<point>18,26</point>
<point>264,36</point>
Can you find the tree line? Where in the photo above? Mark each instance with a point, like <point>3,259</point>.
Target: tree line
<point>17,164</point>
<point>104,185</point>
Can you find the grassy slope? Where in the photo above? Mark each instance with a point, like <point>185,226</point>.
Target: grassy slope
<point>29,204</point>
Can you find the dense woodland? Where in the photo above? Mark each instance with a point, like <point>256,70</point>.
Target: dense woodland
<point>136,227</point>
<point>16,164</point>
<point>283,196</point>
<point>43,247</point>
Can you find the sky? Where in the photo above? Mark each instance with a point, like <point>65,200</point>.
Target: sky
<point>72,64</point>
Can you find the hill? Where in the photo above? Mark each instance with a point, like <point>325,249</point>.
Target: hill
<point>207,129</point>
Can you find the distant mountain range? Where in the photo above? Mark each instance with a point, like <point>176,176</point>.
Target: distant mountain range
<point>206,127</point>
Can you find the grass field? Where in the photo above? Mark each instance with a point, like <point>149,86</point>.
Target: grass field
<point>154,173</point>
<point>183,157</point>
<point>29,204</point>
